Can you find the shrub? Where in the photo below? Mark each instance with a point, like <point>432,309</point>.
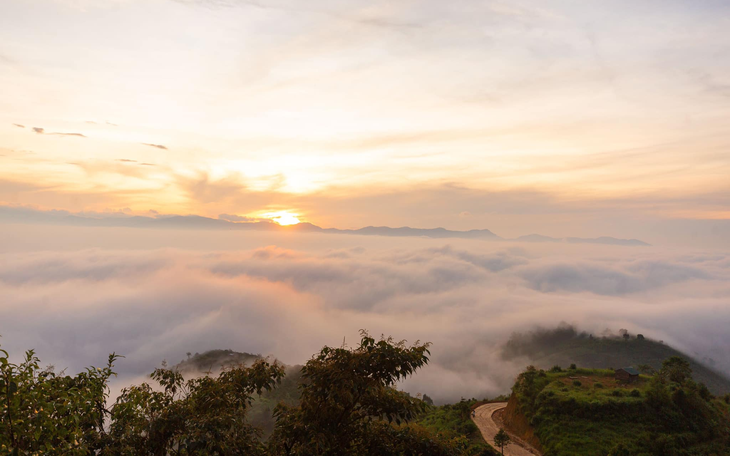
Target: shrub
<point>576,383</point>
<point>617,393</point>
<point>598,385</point>
<point>704,392</point>
<point>556,368</point>
<point>573,367</point>
<point>635,393</point>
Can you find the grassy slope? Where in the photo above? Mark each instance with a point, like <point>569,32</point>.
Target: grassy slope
<point>453,421</point>
<point>565,346</point>
<point>587,419</point>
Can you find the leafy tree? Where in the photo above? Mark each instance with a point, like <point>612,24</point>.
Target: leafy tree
<point>676,369</point>
<point>646,369</point>
<point>427,399</point>
<point>205,415</point>
<point>43,413</point>
<point>501,440</point>
<point>349,404</point>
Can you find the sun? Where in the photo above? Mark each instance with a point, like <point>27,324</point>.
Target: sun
<point>283,218</point>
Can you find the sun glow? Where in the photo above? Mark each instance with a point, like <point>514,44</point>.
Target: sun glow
<point>283,218</point>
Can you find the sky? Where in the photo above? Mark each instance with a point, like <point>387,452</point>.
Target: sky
<point>580,118</point>
<point>566,118</point>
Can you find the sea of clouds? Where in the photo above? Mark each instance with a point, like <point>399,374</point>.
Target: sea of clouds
<point>76,295</point>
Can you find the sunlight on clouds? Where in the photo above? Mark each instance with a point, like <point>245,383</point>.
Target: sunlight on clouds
<point>283,218</point>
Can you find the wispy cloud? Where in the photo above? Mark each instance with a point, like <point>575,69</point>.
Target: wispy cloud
<point>158,146</point>
<point>42,131</point>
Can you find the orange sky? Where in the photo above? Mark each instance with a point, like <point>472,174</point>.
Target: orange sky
<point>457,114</point>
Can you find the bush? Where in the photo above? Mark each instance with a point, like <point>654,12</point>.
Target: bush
<point>635,393</point>
<point>576,383</point>
<point>598,385</point>
<point>573,367</point>
<point>556,368</point>
<point>617,393</point>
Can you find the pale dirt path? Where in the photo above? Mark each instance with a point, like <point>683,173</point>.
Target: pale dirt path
<point>489,429</point>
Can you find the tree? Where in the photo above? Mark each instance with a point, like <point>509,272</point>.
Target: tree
<point>45,413</point>
<point>640,337</point>
<point>349,404</point>
<point>427,399</point>
<point>205,415</point>
<point>646,369</point>
<point>676,369</point>
<point>501,440</point>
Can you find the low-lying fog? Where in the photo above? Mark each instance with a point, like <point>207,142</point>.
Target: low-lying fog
<point>77,294</point>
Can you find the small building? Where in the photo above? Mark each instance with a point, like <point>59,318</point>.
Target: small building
<point>627,375</point>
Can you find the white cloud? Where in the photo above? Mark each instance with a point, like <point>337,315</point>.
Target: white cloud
<point>76,306</point>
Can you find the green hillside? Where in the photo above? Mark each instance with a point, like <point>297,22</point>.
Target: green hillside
<point>565,345</point>
<point>588,412</point>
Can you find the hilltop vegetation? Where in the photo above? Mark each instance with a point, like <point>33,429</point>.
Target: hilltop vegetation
<point>214,361</point>
<point>565,345</point>
<point>588,412</point>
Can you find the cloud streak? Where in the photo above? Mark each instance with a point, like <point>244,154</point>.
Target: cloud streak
<point>157,146</point>
<point>42,131</point>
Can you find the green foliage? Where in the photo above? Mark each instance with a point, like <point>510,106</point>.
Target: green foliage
<point>676,369</point>
<point>348,406</point>
<point>577,383</point>
<point>204,415</point>
<point>528,385</point>
<point>598,385</point>
<point>654,416</point>
<point>501,439</point>
<point>453,422</point>
<point>43,413</point>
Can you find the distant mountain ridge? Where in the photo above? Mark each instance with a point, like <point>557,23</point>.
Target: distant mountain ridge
<point>26,215</point>
<point>607,240</point>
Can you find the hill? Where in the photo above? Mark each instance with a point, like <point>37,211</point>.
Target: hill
<point>565,345</point>
<point>588,412</point>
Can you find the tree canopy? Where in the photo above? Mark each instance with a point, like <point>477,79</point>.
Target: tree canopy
<point>349,406</point>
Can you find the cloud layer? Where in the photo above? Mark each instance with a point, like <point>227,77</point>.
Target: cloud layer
<point>467,298</point>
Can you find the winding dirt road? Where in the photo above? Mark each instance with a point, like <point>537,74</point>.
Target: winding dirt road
<point>489,428</point>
